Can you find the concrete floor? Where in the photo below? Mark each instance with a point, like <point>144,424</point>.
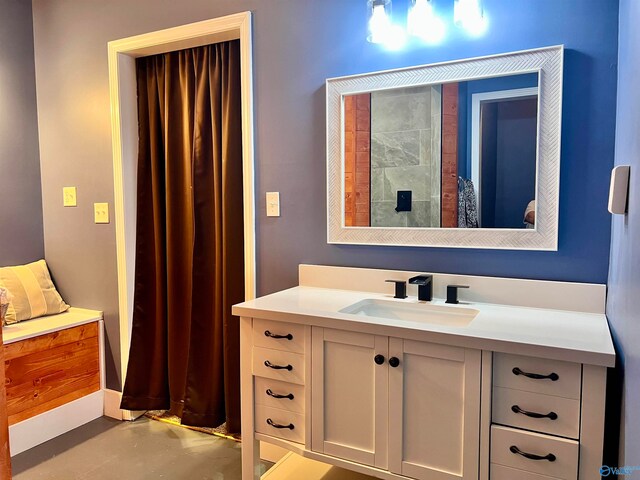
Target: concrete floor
<point>107,449</point>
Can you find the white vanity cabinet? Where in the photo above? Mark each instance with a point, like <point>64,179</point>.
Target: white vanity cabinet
<point>516,393</point>
<point>412,408</point>
<point>397,407</point>
<point>350,393</point>
<point>547,419</point>
<point>280,368</point>
<point>434,410</point>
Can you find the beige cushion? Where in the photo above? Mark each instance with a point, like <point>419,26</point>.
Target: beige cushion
<point>34,294</point>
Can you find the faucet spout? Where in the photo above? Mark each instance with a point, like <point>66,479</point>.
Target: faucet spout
<point>425,286</point>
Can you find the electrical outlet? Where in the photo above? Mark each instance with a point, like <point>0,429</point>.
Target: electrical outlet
<point>101,212</point>
<point>69,198</point>
<point>273,204</point>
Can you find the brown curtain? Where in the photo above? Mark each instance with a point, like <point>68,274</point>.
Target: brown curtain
<point>185,351</point>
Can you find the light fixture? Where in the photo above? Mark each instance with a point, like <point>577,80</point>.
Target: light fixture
<point>381,28</point>
<point>469,15</point>
<point>379,16</point>
<point>423,22</point>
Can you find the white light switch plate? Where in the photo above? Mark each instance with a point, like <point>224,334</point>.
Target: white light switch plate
<point>619,189</point>
<point>273,204</point>
<point>69,198</point>
<point>101,212</point>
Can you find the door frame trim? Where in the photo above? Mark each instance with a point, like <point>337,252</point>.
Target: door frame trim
<point>124,130</point>
<point>477,99</point>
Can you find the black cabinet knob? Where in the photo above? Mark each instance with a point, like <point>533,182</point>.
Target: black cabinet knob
<point>394,362</point>
<point>379,359</point>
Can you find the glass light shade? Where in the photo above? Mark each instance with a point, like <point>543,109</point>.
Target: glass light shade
<point>379,20</point>
<point>395,38</point>
<point>469,15</point>
<point>423,22</point>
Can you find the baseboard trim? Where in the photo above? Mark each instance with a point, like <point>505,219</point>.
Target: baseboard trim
<point>112,399</point>
<point>42,428</point>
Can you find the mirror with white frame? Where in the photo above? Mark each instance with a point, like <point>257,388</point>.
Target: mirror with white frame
<point>458,154</point>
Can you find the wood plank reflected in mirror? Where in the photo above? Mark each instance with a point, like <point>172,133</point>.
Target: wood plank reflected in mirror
<point>357,159</point>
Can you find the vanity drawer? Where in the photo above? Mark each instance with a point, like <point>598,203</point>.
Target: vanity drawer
<point>266,333</point>
<point>509,371</point>
<point>565,465</point>
<point>279,418</point>
<point>500,472</point>
<point>278,388</point>
<point>262,357</point>
<point>566,422</point>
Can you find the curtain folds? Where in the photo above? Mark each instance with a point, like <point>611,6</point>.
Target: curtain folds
<point>189,252</point>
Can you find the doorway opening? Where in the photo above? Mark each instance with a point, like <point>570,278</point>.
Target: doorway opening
<point>122,80</point>
<point>504,156</point>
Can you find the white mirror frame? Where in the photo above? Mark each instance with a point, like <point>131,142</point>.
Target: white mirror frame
<point>547,62</point>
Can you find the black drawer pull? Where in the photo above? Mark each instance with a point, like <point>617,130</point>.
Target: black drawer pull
<point>267,333</point>
<point>276,395</point>
<point>532,456</point>
<point>536,376</point>
<point>394,362</point>
<point>550,415</point>
<point>277,425</point>
<point>267,363</point>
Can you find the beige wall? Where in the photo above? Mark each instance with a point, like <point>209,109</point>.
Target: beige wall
<point>21,238</point>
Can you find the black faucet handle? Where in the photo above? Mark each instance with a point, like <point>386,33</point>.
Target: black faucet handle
<point>452,293</point>
<point>401,288</point>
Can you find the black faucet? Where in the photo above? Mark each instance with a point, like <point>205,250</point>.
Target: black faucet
<point>425,286</point>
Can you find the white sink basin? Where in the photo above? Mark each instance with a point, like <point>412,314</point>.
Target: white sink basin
<point>413,312</point>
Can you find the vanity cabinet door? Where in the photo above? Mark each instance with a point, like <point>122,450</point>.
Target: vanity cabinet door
<point>350,395</point>
<point>434,410</point>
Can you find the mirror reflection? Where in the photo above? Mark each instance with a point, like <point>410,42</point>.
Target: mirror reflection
<point>453,155</point>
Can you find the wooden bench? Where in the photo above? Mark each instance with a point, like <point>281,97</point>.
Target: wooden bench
<point>54,375</point>
<point>5,458</point>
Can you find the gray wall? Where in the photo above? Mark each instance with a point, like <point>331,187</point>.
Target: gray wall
<point>297,45</point>
<point>624,271</point>
<point>21,238</point>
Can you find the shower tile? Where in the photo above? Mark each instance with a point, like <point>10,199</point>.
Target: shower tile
<point>377,184</point>
<point>415,178</point>
<point>400,113</point>
<point>383,214</point>
<point>420,215</point>
<point>425,147</point>
<point>395,149</point>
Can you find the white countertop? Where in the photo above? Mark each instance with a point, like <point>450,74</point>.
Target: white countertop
<point>52,323</point>
<point>555,334</point>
